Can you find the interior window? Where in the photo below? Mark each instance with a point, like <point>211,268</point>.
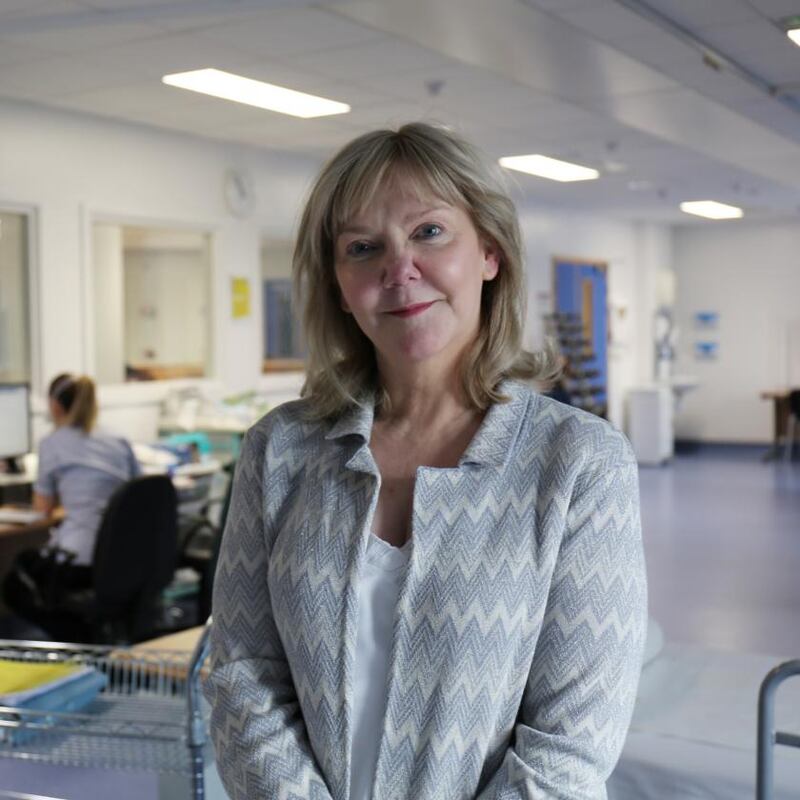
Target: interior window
<point>15,332</point>
<point>152,303</point>
<point>282,330</point>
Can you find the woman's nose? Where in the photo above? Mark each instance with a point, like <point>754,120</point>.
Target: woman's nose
<point>399,266</point>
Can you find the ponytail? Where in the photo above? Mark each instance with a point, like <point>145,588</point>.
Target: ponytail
<point>76,396</point>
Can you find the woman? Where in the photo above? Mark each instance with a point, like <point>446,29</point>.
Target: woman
<point>79,469</point>
<point>431,584</point>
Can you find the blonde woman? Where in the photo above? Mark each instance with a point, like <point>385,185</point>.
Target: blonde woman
<point>431,585</point>
<point>79,469</point>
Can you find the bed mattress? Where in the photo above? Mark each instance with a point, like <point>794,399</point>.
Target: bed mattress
<point>693,733</point>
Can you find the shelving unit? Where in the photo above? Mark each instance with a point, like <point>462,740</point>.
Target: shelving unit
<point>581,382</point>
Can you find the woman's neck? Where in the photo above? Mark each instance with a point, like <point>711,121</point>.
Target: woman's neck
<point>423,399</point>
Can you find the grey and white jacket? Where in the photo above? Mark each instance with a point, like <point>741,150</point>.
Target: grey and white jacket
<point>520,623</point>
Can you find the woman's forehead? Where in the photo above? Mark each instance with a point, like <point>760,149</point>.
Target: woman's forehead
<point>417,190</point>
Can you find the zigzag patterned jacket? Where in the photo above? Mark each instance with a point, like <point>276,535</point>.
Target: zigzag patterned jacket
<point>520,624</point>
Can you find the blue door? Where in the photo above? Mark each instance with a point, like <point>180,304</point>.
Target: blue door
<point>581,292</point>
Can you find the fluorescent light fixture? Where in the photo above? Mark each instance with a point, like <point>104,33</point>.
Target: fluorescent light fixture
<point>794,35</point>
<point>550,168</point>
<point>711,209</point>
<point>228,86</point>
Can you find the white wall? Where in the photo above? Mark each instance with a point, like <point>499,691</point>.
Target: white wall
<point>72,169</point>
<point>749,273</point>
<point>166,307</point>
<point>635,253</point>
<point>14,341</point>
<point>109,308</point>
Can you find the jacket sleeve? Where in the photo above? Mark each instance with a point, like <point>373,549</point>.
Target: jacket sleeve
<point>581,688</point>
<point>258,731</point>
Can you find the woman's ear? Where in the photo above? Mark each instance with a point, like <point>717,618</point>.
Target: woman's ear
<point>491,263</point>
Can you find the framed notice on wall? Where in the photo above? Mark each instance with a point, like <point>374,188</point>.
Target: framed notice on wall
<point>240,297</point>
<point>283,339</point>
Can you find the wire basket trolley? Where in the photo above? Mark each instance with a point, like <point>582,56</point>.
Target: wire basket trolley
<point>148,717</point>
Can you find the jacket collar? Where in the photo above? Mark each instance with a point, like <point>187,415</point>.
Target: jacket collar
<point>491,445</point>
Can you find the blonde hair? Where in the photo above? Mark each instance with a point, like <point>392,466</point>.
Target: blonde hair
<point>341,365</point>
<point>76,395</point>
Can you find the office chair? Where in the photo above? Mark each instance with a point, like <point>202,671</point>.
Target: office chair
<point>792,421</point>
<point>134,559</point>
<point>199,548</point>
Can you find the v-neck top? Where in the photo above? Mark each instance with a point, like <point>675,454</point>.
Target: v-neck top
<point>378,592</point>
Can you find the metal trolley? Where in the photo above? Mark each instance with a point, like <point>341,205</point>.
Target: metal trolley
<point>768,737</point>
<point>147,718</point>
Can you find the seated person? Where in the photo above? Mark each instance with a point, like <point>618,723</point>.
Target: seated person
<point>79,468</point>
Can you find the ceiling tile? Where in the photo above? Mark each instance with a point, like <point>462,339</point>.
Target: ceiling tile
<point>29,9</point>
<point>762,48</point>
<point>696,15</point>
<point>77,40</point>
<point>566,5</point>
<point>165,53</point>
<point>207,114</point>
<point>775,9</point>
<point>126,100</point>
<point>304,80</point>
<point>772,113</point>
<point>375,59</point>
<point>11,53</point>
<point>608,22</point>
<point>55,76</point>
<point>289,32</point>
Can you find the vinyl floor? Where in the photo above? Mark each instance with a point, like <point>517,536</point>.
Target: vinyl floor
<point>721,530</point>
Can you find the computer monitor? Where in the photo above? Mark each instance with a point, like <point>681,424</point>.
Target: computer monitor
<point>15,421</point>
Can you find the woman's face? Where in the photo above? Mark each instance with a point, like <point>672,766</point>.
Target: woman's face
<point>57,412</point>
<point>410,269</point>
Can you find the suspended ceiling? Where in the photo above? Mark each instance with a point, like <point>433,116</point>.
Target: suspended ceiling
<point>620,86</point>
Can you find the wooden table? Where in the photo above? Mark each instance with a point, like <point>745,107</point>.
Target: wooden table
<point>780,401</point>
<point>182,641</point>
<point>17,537</point>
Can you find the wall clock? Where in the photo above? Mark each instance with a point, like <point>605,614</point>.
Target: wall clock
<point>239,193</point>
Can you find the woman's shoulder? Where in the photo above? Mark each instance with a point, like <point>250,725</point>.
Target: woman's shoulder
<point>104,438</point>
<point>567,429</point>
<point>61,438</point>
<point>289,424</point>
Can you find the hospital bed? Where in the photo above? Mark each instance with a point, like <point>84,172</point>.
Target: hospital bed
<point>694,727</point>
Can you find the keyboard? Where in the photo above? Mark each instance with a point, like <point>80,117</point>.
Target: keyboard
<point>19,516</point>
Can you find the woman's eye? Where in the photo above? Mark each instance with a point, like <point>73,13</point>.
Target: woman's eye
<point>429,231</point>
<point>358,248</point>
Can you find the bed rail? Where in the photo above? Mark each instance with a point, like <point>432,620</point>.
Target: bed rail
<point>768,737</point>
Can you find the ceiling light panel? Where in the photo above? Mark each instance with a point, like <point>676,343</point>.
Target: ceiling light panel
<point>227,86</point>
<point>551,168</point>
<point>711,209</point>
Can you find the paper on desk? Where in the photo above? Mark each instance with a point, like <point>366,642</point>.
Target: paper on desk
<point>21,681</point>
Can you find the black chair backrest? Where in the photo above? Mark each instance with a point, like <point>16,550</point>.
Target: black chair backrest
<point>136,548</point>
<point>794,402</point>
<point>211,569</point>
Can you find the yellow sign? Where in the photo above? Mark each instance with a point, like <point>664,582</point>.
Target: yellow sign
<point>240,297</point>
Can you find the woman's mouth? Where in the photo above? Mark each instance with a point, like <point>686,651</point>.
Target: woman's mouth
<point>412,310</point>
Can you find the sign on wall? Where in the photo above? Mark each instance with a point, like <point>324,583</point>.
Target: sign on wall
<point>240,297</point>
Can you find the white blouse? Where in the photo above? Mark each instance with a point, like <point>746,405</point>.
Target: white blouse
<point>378,592</point>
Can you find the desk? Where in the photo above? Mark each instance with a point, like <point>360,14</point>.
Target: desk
<point>15,538</point>
<point>17,487</point>
<point>780,401</point>
<point>17,479</point>
<point>224,433</point>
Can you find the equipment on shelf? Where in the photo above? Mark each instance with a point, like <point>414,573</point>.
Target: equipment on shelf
<point>582,383</point>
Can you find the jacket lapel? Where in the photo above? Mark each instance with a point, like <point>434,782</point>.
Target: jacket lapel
<point>357,492</point>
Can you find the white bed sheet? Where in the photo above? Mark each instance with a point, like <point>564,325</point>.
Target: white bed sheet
<point>693,733</point>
